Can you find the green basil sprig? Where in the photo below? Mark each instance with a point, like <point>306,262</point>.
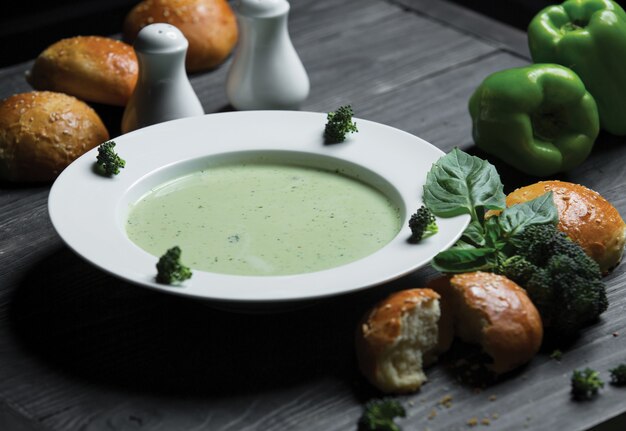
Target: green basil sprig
<point>459,183</point>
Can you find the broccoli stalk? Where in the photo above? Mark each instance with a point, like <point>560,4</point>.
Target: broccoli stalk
<point>378,415</point>
<point>585,384</point>
<point>169,268</point>
<point>108,160</point>
<point>338,124</point>
<point>618,375</point>
<point>422,224</point>
<point>562,281</point>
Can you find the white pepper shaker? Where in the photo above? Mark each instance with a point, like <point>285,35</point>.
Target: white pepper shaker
<point>266,72</point>
<point>163,91</point>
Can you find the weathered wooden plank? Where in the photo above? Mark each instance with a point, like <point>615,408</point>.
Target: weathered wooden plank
<point>78,308</point>
<point>468,21</point>
<point>82,350</point>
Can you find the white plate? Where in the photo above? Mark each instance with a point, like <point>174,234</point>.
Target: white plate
<point>89,211</point>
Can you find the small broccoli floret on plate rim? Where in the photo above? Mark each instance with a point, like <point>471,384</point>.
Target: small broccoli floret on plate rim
<point>108,160</point>
<point>338,124</point>
<point>170,270</point>
<point>422,224</point>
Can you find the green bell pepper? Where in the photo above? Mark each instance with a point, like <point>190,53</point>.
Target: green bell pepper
<point>539,119</point>
<point>588,36</point>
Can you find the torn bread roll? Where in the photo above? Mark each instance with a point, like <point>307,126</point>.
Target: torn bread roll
<point>42,132</point>
<point>92,68</point>
<point>494,312</point>
<point>210,26</point>
<point>399,337</point>
<point>584,216</point>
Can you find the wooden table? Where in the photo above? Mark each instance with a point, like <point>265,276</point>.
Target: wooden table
<point>81,350</point>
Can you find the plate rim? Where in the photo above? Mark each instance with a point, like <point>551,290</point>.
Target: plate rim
<point>129,147</point>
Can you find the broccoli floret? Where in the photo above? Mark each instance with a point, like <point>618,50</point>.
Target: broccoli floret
<point>517,268</point>
<point>562,281</point>
<point>618,375</point>
<point>378,415</point>
<point>556,354</point>
<point>585,384</point>
<point>108,160</point>
<point>338,124</point>
<point>169,268</point>
<point>538,243</point>
<point>534,279</point>
<point>579,299</point>
<point>422,224</point>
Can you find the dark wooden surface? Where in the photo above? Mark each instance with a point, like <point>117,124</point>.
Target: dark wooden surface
<point>80,350</point>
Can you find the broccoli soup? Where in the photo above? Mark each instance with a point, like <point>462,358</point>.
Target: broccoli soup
<point>264,219</point>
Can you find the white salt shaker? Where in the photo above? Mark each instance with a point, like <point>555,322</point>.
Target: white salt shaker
<point>163,91</point>
<point>266,72</point>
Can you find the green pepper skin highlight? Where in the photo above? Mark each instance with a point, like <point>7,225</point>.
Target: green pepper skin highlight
<point>539,119</point>
<point>589,37</point>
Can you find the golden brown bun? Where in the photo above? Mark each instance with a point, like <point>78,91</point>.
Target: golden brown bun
<point>496,313</point>
<point>42,132</point>
<point>93,68</point>
<point>400,336</point>
<point>210,27</point>
<point>584,216</point>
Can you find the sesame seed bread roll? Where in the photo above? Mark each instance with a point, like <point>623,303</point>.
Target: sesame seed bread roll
<point>494,312</point>
<point>43,132</point>
<point>399,336</point>
<point>584,216</point>
<point>91,68</point>
<point>210,26</point>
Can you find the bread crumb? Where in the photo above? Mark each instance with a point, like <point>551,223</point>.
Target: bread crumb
<point>485,421</point>
<point>446,401</point>
<point>495,416</point>
<point>472,422</point>
<point>432,415</point>
<point>493,398</point>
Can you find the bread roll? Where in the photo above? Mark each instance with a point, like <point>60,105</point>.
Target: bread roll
<point>42,132</point>
<point>210,27</point>
<point>92,68</point>
<point>494,312</point>
<point>398,337</point>
<point>584,216</point>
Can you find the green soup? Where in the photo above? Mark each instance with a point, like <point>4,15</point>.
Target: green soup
<point>264,219</point>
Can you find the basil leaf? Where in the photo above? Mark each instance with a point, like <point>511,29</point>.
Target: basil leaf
<point>474,234</point>
<point>459,183</point>
<point>459,259</point>
<point>516,218</point>
<point>493,234</point>
<point>460,244</point>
